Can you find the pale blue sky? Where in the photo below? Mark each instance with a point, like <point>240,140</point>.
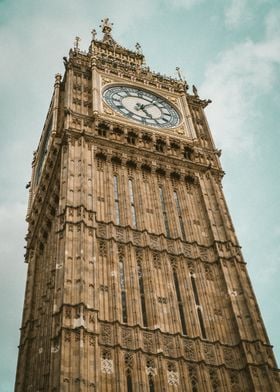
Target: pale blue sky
<point>230,49</point>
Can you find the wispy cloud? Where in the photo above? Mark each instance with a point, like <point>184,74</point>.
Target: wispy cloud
<point>187,4</point>
<point>235,81</point>
<point>236,12</point>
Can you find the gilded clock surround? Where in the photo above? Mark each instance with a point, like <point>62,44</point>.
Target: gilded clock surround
<point>141,105</point>
<point>136,280</point>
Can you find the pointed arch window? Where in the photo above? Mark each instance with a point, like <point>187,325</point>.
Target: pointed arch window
<point>142,295</point>
<point>180,302</point>
<point>122,286</point>
<point>198,306</point>
<point>179,213</point>
<point>116,200</point>
<point>151,384</point>
<point>129,381</point>
<point>132,205</point>
<point>164,212</point>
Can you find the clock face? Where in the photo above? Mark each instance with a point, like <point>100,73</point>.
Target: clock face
<point>142,106</point>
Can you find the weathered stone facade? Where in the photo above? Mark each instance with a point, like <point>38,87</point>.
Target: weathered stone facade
<point>136,281</point>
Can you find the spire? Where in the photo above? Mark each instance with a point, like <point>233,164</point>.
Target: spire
<point>76,44</point>
<point>106,30</point>
<point>138,48</point>
<point>94,34</point>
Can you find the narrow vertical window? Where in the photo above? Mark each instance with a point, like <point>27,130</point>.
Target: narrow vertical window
<point>164,212</point>
<point>151,384</point>
<point>132,205</point>
<point>199,312</point>
<point>179,212</point>
<point>180,303</point>
<point>128,382</point>
<point>116,200</point>
<point>123,291</point>
<point>142,295</point>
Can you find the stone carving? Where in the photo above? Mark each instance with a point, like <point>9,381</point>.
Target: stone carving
<point>127,337</point>
<point>91,318</point>
<point>128,360</point>
<point>67,336</point>
<point>168,345</point>
<point>139,255</point>
<point>189,349</point>
<point>106,334</point>
<point>209,272</point>
<point>172,374</point>
<point>137,238</point>
<point>173,262</point>
<point>148,341</point>
<point>91,341</point>
<point>228,356</point>
<point>208,351</point>
<point>150,367</point>
<point>234,382</point>
<point>107,363</point>
<point>68,313</point>
<point>101,230</point>
<point>193,377</point>
<point>187,250</point>
<point>102,248</point>
<point>119,233</point>
<point>121,251</point>
<point>154,241</point>
<point>214,378</point>
<point>77,336</point>
<point>170,246</point>
<point>191,266</point>
<point>203,253</point>
<point>156,260</point>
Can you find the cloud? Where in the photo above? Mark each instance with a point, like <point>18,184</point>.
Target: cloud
<point>235,81</point>
<point>187,4</point>
<point>236,13</point>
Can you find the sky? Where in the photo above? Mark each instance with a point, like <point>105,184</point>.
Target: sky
<point>230,49</point>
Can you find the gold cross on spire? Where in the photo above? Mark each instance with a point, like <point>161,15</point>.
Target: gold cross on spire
<point>106,26</point>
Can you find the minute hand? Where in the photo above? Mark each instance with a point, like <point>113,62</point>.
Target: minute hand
<point>148,104</point>
<point>145,111</point>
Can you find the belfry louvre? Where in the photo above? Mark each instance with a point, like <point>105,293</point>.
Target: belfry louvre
<point>136,281</point>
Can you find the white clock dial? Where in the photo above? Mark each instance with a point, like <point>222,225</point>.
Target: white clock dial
<point>142,106</point>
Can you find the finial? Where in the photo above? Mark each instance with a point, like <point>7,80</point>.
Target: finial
<point>76,43</point>
<point>138,48</point>
<point>93,33</point>
<point>179,73</point>
<point>194,89</point>
<point>58,77</point>
<point>106,26</point>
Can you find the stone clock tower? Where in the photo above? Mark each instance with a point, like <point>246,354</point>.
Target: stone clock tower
<point>136,281</point>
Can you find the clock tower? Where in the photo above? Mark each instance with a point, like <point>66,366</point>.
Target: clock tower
<point>136,281</point>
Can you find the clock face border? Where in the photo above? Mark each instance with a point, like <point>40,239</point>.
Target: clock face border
<point>114,95</point>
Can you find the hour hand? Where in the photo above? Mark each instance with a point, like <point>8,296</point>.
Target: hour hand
<point>140,106</point>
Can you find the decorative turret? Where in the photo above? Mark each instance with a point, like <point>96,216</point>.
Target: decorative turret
<point>106,30</point>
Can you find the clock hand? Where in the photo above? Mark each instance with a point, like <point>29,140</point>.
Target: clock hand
<point>147,114</point>
<point>142,107</point>
<point>149,104</point>
<point>138,106</point>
